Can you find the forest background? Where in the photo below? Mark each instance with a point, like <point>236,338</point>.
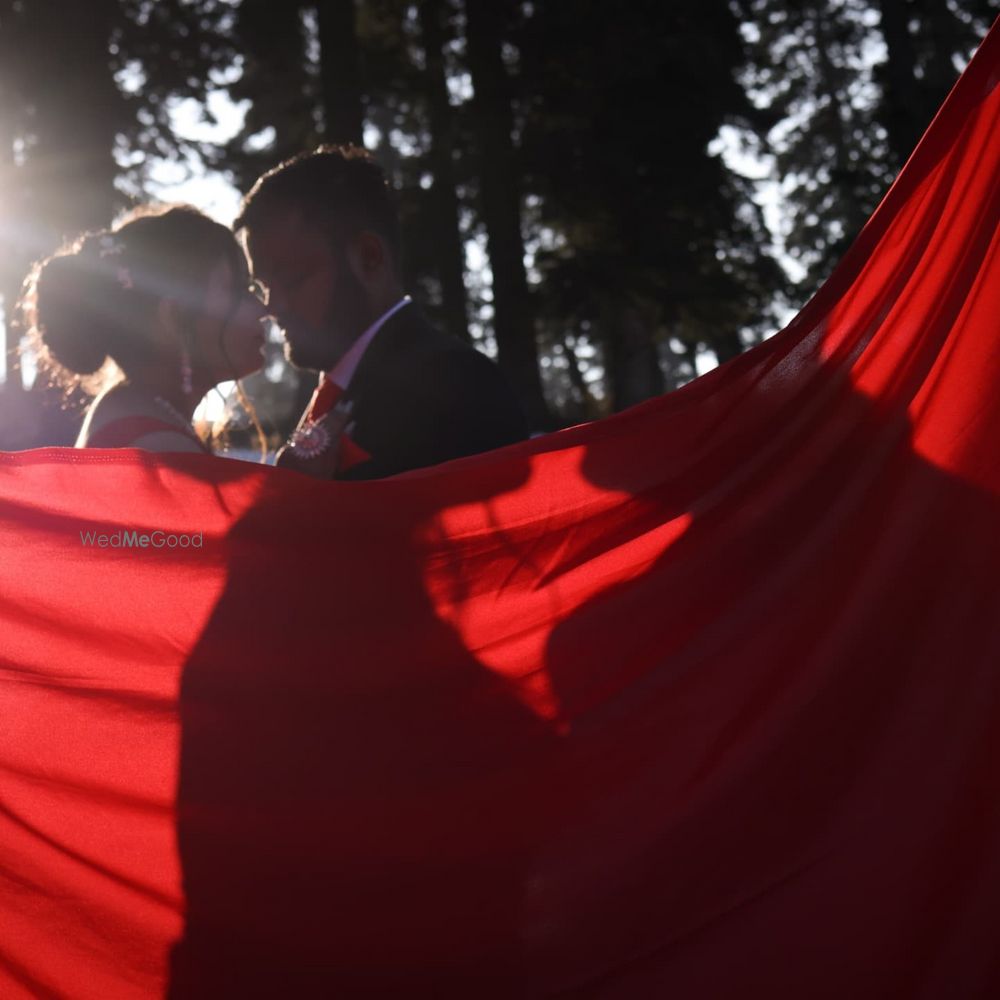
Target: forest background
<point>609,199</point>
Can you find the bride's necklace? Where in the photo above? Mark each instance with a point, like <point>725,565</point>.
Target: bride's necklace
<point>173,412</point>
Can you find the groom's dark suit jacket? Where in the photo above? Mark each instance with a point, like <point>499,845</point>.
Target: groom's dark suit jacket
<point>422,397</point>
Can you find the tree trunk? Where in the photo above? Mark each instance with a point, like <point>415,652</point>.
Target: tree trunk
<point>65,183</point>
<point>8,279</point>
<point>72,163</point>
<point>450,255</point>
<point>576,379</point>
<point>727,346</point>
<point>340,74</point>
<point>517,349</point>
<point>11,338</point>
<point>902,94</point>
<point>635,372</point>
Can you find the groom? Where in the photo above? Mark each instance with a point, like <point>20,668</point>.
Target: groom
<point>322,235</point>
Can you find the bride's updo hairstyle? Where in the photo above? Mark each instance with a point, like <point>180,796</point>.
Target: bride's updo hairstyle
<point>90,307</point>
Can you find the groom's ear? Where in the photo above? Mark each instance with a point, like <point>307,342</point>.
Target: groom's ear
<point>367,256</point>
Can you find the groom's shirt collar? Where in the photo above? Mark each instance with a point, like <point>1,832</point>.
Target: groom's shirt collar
<point>344,370</point>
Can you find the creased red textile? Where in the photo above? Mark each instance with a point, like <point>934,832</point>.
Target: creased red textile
<point>697,701</point>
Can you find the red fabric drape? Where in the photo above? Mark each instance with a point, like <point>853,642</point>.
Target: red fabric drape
<point>697,701</point>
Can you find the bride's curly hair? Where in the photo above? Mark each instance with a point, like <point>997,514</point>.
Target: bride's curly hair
<point>88,308</point>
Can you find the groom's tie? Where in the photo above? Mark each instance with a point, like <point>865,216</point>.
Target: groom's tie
<point>324,399</point>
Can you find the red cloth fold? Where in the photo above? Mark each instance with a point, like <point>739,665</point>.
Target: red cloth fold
<point>697,701</point>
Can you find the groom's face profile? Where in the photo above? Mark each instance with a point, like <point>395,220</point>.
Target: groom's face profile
<point>309,288</point>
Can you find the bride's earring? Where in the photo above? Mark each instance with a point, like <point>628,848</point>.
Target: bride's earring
<point>186,386</point>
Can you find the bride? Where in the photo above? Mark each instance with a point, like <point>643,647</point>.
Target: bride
<point>148,317</point>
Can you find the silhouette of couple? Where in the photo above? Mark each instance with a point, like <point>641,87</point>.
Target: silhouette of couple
<point>152,313</point>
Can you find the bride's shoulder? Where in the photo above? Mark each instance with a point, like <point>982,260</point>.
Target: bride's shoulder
<point>115,403</point>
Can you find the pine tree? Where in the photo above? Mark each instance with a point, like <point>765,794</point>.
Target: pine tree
<point>649,245</point>
<point>500,204</point>
<point>845,89</point>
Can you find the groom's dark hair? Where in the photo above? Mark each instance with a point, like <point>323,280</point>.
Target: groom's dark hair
<point>341,189</point>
